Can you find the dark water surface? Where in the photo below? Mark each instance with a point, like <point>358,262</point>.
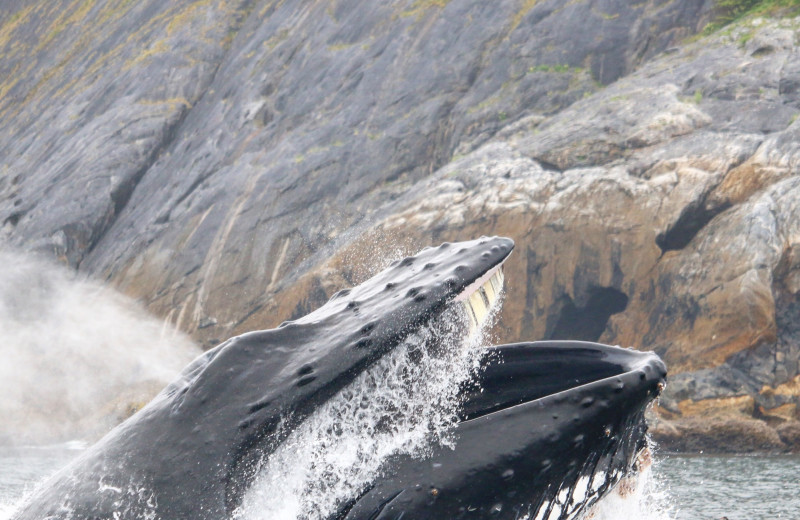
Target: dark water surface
<point>22,467</point>
<point>699,487</point>
<point>705,487</point>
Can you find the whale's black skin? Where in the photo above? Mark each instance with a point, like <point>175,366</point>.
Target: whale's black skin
<point>188,454</point>
<point>549,414</point>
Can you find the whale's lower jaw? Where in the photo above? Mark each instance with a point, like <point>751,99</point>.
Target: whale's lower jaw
<point>527,450</point>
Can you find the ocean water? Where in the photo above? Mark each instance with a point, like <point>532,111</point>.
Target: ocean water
<point>706,487</point>
<point>22,467</point>
<point>679,487</point>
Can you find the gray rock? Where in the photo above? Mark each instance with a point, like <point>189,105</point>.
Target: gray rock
<point>232,166</point>
<point>718,436</point>
<point>790,434</point>
<point>234,144</point>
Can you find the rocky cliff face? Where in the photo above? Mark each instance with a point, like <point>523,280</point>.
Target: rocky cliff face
<point>234,164</point>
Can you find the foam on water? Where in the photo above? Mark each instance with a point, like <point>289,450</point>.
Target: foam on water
<point>405,404</point>
<point>6,510</point>
<point>639,498</point>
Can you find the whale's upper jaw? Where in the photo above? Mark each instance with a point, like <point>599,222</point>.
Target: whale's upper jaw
<point>416,288</point>
<point>547,429</point>
<point>324,350</point>
<point>358,325</point>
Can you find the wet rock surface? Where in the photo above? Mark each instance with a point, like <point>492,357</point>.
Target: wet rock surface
<point>790,434</point>
<point>232,165</point>
<point>719,436</point>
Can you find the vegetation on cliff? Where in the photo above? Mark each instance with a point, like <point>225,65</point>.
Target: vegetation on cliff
<point>729,11</point>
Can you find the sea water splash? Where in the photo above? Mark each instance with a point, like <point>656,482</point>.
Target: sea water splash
<point>405,404</point>
<point>642,497</point>
<point>639,496</point>
<point>636,497</point>
<point>77,357</point>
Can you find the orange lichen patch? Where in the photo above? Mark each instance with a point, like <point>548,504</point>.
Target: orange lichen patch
<point>172,103</point>
<point>783,413</point>
<point>743,181</point>
<point>5,87</point>
<point>419,7</point>
<point>764,332</point>
<point>661,413</point>
<point>159,47</point>
<point>738,315</point>
<point>14,22</point>
<point>72,15</point>
<point>523,11</point>
<point>681,164</point>
<point>791,387</point>
<point>718,408</point>
<point>707,344</point>
<point>300,299</point>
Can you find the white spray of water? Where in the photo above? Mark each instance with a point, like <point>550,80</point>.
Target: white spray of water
<point>406,404</point>
<point>76,357</point>
<point>640,498</point>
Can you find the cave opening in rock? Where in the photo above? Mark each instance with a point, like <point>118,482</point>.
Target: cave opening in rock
<point>588,322</point>
<point>694,218</point>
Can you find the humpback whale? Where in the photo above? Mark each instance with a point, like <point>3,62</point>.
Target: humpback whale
<point>191,452</point>
<point>543,427</point>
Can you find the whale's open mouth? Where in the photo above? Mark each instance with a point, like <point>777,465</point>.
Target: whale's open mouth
<point>443,428</point>
<point>546,429</point>
<point>480,297</point>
